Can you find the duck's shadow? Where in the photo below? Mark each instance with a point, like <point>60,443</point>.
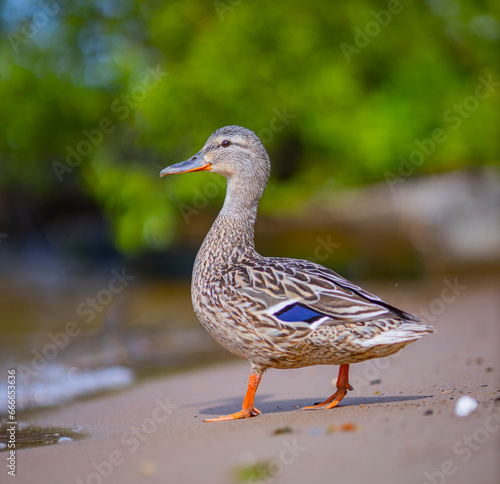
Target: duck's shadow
<point>266,405</point>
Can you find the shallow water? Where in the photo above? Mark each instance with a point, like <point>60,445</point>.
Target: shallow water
<point>73,336</point>
<point>34,436</point>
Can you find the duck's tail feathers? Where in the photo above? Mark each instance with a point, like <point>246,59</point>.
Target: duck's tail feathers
<point>407,332</point>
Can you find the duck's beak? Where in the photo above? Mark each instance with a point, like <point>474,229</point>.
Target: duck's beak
<point>195,163</point>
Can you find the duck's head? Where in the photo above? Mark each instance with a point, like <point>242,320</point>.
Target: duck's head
<point>232,151</point>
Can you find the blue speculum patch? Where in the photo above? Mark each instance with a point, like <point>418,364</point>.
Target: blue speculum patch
<point>298,312</point>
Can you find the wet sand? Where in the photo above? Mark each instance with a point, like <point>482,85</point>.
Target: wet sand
<point>397,426</point>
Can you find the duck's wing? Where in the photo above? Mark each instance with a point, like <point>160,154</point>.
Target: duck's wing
<point>306,295</point>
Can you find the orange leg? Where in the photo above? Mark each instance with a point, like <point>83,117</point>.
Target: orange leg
<point>248,409</point>
<point>342,387</point>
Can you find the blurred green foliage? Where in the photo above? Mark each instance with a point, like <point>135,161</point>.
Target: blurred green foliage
<point>99,96</point>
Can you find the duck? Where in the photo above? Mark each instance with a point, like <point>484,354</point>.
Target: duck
<point>275,312</point>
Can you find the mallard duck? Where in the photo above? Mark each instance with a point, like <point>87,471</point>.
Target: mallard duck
<point>277,312</point>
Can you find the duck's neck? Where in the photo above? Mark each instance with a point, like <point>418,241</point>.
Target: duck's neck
<point>231,238</point>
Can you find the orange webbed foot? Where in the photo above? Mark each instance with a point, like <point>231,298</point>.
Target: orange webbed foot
<point>331,402</point>
<point>235,416</point>
<point>248,409</point>
<point>342,387</point>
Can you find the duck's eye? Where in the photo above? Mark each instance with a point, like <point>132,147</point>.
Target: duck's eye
<point>226,143</point>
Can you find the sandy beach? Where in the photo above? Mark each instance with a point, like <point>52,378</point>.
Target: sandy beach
<point>397,426</point>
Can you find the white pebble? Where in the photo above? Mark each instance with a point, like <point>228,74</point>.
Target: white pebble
<point>64,439</point>
<point>465,406</point>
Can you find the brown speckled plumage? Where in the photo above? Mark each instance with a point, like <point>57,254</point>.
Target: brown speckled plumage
<point>248,303</point>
